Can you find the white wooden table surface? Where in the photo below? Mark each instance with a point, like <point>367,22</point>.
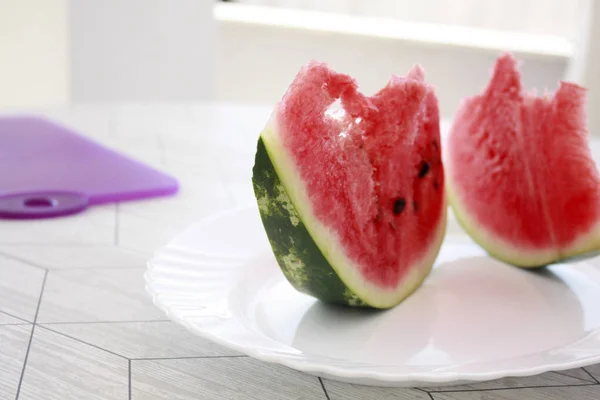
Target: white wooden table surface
<point>76,322</point>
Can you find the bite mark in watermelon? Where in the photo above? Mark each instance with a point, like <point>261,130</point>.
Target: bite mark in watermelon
<point>350,188</point>
<point>520,176</point>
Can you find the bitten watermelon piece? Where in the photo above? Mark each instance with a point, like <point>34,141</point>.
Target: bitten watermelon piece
<point>520,176</point>
<point>350,188</point>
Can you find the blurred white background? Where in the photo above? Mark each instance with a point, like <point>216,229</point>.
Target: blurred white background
<point>551,17</point>
<point>60,52</point>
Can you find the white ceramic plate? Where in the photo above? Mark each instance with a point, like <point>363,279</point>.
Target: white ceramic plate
<point>473,319</point>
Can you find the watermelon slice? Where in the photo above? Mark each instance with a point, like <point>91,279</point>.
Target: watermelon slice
<point>350,188</point>
<point>520,176</point>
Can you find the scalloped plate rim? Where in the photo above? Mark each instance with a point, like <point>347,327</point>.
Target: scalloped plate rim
<point>365,377</point>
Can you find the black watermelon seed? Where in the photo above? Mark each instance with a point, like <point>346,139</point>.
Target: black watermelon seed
<point>399,205</point>
<point>424,169</point>
<point>436,185</point>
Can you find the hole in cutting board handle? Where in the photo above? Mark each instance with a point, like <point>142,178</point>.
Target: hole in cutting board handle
<point>39,202</point>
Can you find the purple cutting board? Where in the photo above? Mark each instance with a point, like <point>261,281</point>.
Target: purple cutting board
<point>48,170</point>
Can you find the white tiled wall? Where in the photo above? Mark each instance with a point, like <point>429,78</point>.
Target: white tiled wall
<point>33,52</point>
<point>60,51</point>
<point>550,17</point>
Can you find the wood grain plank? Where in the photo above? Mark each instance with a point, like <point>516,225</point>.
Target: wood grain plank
<point>594,370</point>
<point>220,378</point>
<point>84,256</point>
<point>144,339</point>
<point>95,225</point>
<point>59,368</point>
<point>88,295</point>
<point>20,287</point>
<point>343,391</point>
<point>578,373</point>
<point>546,379</point>
<point>13,347</point>
<point>6,319</point>
<point>142,234</point>
<point>560,393</point>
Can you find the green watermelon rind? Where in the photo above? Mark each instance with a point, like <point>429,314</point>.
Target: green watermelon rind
<point>320,267</point>
<point>295,251</point>
<point>501,249</point>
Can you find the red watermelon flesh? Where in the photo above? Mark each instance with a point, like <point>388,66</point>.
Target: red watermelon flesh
<point>520,174</point>
<point>371,166</point>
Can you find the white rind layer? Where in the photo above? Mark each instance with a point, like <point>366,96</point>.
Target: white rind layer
<point>328,241</point>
